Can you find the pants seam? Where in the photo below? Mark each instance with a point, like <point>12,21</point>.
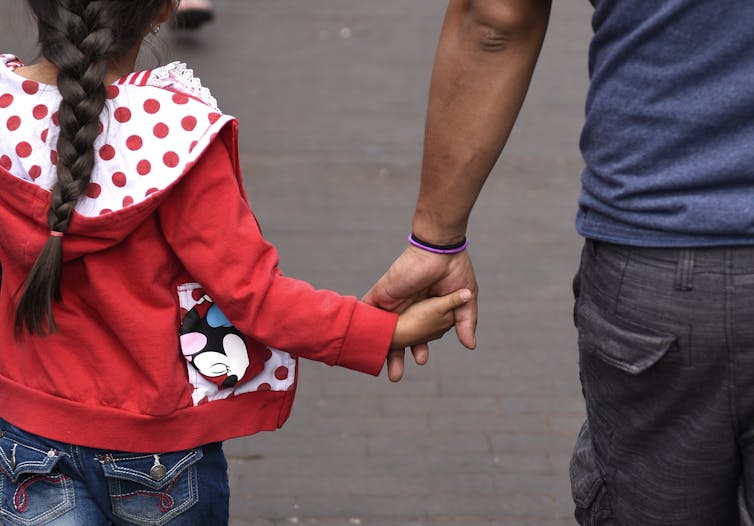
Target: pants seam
<point>626,262</point>
<point>729,341</point>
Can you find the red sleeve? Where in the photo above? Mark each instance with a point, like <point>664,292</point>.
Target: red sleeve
<point>207,221</point>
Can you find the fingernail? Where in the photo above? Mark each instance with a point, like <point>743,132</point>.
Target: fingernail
<point>465,295</point>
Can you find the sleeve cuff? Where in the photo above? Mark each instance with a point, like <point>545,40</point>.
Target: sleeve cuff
<point>368,339</point>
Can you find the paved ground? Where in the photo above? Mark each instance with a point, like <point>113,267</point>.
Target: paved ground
<point>331,97</point>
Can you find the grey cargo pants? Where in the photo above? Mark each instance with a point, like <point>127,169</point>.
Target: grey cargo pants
<point>666,347</point>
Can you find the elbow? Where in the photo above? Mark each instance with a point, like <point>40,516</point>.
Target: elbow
<point>497,24</point>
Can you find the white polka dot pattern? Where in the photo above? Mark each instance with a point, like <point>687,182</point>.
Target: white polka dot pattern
<point>154,127</point>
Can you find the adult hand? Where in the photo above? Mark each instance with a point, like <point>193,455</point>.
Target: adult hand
<point>418,274</point>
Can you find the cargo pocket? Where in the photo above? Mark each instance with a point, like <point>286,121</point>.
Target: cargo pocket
<point>152,490</point>
<point>588,484</point>
<point>630,347</point>
<point>33,493</point>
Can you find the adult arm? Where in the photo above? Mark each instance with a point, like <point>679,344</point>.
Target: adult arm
<point>483,66</point>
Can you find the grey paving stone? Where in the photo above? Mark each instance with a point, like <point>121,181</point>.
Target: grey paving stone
<point>469,422</point>
<point>443,405</point>
<point>441,444</point>
<point>360,506</point>
<point>479,507</point>
<point>253,522</point>
<point>555,485</point>
<point>546,444</point>
<point>286,444</point>
<point>423,484</point>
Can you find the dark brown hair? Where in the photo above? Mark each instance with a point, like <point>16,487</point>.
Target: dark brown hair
<point>82,38</point>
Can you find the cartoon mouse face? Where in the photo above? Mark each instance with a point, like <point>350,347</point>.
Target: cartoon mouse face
<point>212,345</point>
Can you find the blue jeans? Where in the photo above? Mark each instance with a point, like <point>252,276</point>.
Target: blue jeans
<point>43,482</point>
<point>666,347</point>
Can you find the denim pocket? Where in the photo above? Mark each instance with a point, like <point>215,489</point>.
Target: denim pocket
<point>33,493</point>
<point>152,490</point>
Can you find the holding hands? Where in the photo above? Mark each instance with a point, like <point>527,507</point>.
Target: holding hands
<point>484,63</point>
<point>448,280</point>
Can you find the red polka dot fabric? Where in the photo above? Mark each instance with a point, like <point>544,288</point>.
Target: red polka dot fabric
<point>155,126</point>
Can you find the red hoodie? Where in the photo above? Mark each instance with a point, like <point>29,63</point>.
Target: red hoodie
<point>176,327</point>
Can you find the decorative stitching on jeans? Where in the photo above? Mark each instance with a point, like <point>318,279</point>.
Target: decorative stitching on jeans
<point>31,466</point>
<point>66,503</point>
<point>21,496</point>
<point>170,509</point>
<point>176,469</point>
<point>164,500</point>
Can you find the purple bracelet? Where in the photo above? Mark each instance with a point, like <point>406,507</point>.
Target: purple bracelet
<point>438,249</point>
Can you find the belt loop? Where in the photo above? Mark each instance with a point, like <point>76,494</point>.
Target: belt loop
<point>684,271</point>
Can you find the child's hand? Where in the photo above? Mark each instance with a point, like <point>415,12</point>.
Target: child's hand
<point>428,320</point>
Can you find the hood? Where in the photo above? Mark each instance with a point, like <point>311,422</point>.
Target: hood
<point>154,127</point>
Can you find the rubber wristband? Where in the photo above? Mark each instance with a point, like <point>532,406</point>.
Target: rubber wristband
<point>55,233</point>
<point>438,249</point>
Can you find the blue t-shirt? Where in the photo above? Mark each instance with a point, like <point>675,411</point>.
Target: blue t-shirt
<point>668,140</point>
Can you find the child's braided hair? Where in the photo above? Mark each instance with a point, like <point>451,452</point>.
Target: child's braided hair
<point>82,38</point>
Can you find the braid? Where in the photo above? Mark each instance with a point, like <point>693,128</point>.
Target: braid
<point>81,38</point>
<point>82,52</point>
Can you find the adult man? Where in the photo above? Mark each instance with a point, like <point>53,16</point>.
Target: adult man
<point>664,290</point>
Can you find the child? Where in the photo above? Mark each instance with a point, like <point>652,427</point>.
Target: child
<point>143,318</point>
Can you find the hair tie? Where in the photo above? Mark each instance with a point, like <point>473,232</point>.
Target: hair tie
<point>55,233</point>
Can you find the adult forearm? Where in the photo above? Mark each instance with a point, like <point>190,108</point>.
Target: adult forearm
<point>483,66</point>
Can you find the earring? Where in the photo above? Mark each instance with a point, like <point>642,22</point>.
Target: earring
<point>155,29</point>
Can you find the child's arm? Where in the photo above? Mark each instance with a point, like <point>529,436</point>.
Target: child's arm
<point>207,222</point>
<point>428,320</point>
<point>421,323</point>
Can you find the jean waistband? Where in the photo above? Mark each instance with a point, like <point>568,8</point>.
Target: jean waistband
<point>731,259</point>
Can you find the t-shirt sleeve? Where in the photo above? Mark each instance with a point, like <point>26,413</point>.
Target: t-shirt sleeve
<point>208,223</point>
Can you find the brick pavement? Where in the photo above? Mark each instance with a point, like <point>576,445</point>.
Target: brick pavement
<point>331,97</point>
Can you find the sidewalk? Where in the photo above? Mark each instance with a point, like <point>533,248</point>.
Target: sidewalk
<point>331,97</point>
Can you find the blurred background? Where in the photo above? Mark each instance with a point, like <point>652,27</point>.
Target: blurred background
<point>331,95</point>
